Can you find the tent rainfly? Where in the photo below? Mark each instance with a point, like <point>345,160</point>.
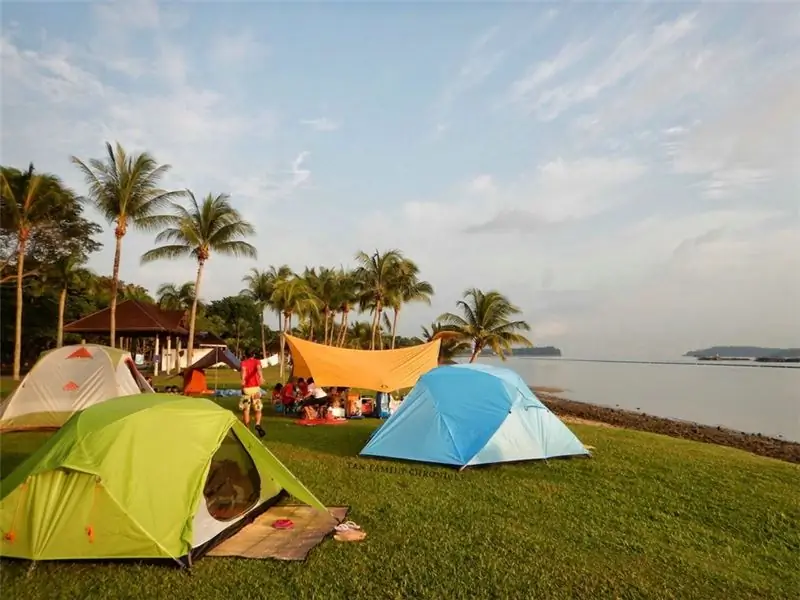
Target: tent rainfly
<point>67,380</point>
<point>473,414</point>
<point>194,377</point>
<point>379,370</point>
<point>163,477</point>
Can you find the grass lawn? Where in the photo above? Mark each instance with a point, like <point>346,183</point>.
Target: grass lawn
<point>648,516</point>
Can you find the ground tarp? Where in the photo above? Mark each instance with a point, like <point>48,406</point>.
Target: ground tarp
<point>379,370</point>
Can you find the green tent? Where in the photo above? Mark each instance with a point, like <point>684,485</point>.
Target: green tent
<point>155,476</point>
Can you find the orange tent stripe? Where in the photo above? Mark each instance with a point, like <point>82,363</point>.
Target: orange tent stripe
<point>378,370</point>
<point>80,353</point>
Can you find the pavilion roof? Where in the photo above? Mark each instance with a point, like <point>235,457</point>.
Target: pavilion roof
<point>133,316</point>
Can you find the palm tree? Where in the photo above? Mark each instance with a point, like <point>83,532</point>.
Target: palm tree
<point>125,189</point>
<point>290,296</point>
<point>277,274</point>
<point>407,288</point>
<point>359,336</point>
<point>451,346</point>
<point>212,226</point>
<point>347,294</point>
<point>132,291</point>
<point>67,272</point>
<point>486,322</point>
<point>324,288</point>
<point>173,297</point>
<point>260,285</point>
<point>375,273</point>
<point>27,205</point>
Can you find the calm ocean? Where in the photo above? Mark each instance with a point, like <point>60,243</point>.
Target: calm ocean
<point>754,399</point>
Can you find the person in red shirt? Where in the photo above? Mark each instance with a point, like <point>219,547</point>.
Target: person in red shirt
<point>288,394</point>
<point>252,379</point>
<point>302,386</point>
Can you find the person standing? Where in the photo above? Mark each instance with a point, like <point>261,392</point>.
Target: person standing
<point>252,379</point>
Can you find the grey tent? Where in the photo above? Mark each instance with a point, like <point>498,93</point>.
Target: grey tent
<point>217,355</point>
<point>194,377</point>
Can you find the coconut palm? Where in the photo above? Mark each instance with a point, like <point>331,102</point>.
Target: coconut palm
<point>260,285</point>
<point>324,286</point>
<point>347,294</point>
<point>28,201</point>
<point>275,275</point>
<point>67,272</point>
<point>174,297</point>
<point>406,288</point>
<point>359,336</point>
<point>451,343</point>
<point>211,226</point>
<point>126,190</point>
<point>132,291</point>
<point>291,296</point>
<point>375,273</point>
<point>486,322</point>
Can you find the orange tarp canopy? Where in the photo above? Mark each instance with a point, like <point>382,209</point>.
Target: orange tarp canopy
<point>378,370</point>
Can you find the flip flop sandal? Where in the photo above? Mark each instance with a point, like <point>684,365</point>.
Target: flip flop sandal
<point>351,535</point>
<point>347,526</point>
<point>283,524</point>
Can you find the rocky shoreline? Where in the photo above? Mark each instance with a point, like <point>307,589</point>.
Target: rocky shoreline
<point>755,443</point>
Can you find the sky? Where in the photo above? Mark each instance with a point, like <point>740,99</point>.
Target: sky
<point>628,174</point>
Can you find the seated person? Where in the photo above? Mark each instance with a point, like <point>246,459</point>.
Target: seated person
<point>317,397</point>
<point>277,393</point>
<point>312,386</point>
<point>302,388</point>
<point>288,395</point>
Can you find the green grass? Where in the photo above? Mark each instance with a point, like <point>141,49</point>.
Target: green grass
<point>647,517</point>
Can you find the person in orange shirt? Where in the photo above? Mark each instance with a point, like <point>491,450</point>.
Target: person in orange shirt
<point>252,379</point>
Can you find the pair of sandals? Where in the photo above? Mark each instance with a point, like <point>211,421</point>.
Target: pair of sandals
<point>349,532</point>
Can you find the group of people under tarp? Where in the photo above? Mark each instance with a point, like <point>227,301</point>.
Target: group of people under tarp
<point>304,398</point>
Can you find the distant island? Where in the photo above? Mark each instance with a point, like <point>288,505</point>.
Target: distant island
<point>536,351</point>
<point>756,353</point>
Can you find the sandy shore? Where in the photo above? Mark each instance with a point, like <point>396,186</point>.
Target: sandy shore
<point>580,412</point>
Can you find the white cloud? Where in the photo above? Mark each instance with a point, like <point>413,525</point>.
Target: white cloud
<point>482,184</point>
<point>545,70</point>
<point>321,124</point>
<point>477,66</point>
<point>753,139</point>
<point>633,53</point>
<point>236,50</point>
<point>559,191</point>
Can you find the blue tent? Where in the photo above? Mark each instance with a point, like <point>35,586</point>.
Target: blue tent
<point>474,414</point>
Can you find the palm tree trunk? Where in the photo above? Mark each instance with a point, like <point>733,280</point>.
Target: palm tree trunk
<point>112,327</point>
<point>325,315</point>
<point>394,324</point>
<point>62,303</point>
<point>343,329</point>
<point>18,321</point>
<point>263,336</point>
<point>475,352</point>
<point>282,329</point>
<point>193,315</point>
<point>375,321</point>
